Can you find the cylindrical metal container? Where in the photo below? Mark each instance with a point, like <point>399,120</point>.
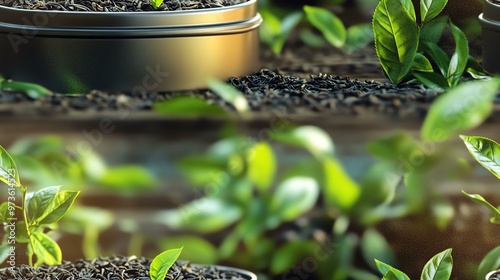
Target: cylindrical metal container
<point>490,22</point>
<point>128,51</point>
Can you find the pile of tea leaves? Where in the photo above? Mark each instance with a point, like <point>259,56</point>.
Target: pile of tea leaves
<point>265,91</point>
<point>116,5</point>
<point>117,268</point>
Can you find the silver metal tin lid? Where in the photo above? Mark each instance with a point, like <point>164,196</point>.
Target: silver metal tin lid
<point>225,20</point>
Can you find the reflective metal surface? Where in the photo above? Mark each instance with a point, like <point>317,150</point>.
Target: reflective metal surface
<point>129,51</point>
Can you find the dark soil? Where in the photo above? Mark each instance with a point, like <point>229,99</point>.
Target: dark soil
<point>116,5</point>
<point>116,268</point>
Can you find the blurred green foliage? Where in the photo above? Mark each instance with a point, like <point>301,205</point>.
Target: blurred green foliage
<point>279,23</point>
<point>50,160</point>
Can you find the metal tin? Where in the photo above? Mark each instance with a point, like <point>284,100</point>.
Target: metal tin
<point>129,51</point>
<point>490,22</point>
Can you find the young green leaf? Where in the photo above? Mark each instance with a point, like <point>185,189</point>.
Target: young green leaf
<point>8,169</point>
<point>459,59</point>
<point>421,64</point>
<point>294,197</point>
<point>432,31</point>
<point>46,249</point>
<point>203,215</point>
<point>432,80</point>
<point>396,38</point>
<point>58,207</point>
<point>384,268</point>
<point>32,90</point>
<point>358,36</point>
<point>161,264</point>
<point>156,3</point>
<point>39,202</point>
<point>311,138</point>
<point>329,24</point>
<point>485,151</point>
<point>489,263</point>
<point>429,9</point>
<point>4,252</point>
<point>438,56</point>
<point>290,253</point>
<point>261,165</point>
<point>128,179</point>
<point>374,245</point>
<point>340,189</point>
<point>186,106</point>
<point>274,32</point>
<point>390,275</point>
<point>408,6</point>
<point>438,267</point>
<point>462,108</point>
<point>475,69</point>
<point>229,94</point>
<point>22,235</point>
<point>493,210</point>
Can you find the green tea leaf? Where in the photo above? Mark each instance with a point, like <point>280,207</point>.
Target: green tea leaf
<point>340,189</point>
<point>485,151</point>
<point>261,165</point>
<point>374,245</point>
<point>432,30</point>
<point>8,169</point>
<point>188,107</point>
<point>58,207</point>
<point>274,32</point>
<point>46,249</point>
<point>408,6</point>
<point>437,56</point>
<point>390,275</point>
<point>459,59</point>
<point>22,235</point>
<point>384,268</point>
<point>161,264</point>
<point>229,94</point>
<point>4,212</point>
<point>429,9</point>
<point>421,64</point>
<point>358,36</point>
<point>462,108</point>
<point>311,138</point>
<point>32,90</point>
<point>396,38</point>
<point>489,263</point>
<point>202,215</point>
<point>289,254</point>
<point>294,197</point>
<point>4,252</point>
<point>329,24</point>
<point>39,202</point>
<point>432,80</point>
<point>438,267</point>
<point>310,38</point>
<point>493,210</point>
<point>156,3</point>
<point>128,178</point>
<point>475,69</point>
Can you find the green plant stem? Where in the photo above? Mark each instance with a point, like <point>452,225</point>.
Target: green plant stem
<point>90,244</point>
<point>25,217</point>
<point>135,244</point>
